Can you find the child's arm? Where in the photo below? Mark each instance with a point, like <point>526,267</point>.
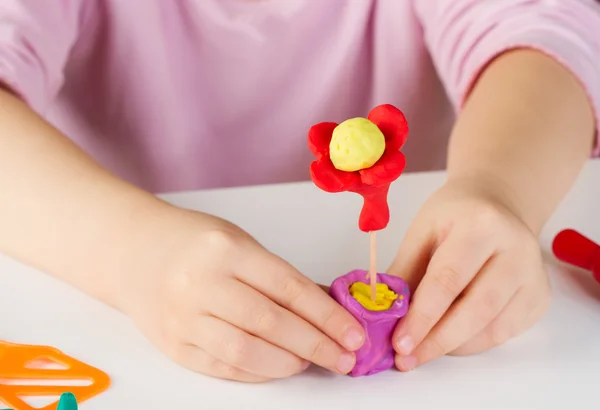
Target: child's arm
<point>528,122</point>
<point>526,130</point>
<point>61,212</point>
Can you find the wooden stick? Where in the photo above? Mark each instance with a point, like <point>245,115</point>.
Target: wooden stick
<point>373,264</point>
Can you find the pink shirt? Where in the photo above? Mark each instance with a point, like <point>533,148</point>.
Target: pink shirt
<point>188,94</point>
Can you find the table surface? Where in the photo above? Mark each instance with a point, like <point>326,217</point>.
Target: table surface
<point>555,365</point>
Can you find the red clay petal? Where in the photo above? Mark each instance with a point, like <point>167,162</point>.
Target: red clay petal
<point>330,179</point>
<point>392,123</point>
<point>386,170</point>
<point>319,137</point>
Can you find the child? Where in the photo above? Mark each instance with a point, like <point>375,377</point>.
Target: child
<point>159,96</point>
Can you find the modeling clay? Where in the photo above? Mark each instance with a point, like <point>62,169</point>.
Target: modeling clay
<point>362,155</point>
<point>377,353</point>
<point>574,248</point>
<point>17,364</point>
<point>356,144</point>
<point>67,402</point>
<point>384,296</point>
<point>349,157</point>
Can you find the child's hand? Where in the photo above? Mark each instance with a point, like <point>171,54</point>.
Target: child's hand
<point>218,303</point>
<point>479,271</point>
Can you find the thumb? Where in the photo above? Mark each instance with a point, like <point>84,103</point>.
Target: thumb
<point>413,256</point>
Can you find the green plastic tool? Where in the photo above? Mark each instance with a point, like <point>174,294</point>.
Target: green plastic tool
<point>67,402</point>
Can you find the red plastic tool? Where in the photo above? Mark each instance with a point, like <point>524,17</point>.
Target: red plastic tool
<point>576,249</point>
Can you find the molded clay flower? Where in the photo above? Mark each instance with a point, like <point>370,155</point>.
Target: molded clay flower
<point>361,156</point>
<point>377,353</point>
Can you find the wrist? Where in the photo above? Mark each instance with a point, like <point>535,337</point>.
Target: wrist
<point>499,190</point>
<point>142,250</point>
<point>523,134</point>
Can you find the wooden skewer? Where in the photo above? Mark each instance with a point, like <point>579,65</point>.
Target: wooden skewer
<point>373,264</point>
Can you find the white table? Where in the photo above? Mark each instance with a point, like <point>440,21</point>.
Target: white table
<point>555,365</point>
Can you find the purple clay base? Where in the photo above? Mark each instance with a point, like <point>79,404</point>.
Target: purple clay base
<point>377,353</point>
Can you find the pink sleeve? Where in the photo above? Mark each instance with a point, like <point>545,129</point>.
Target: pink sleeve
<point>35,41</point>
<point>464,35</point>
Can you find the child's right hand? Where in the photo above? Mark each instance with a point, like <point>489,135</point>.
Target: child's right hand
<point>219,303</point>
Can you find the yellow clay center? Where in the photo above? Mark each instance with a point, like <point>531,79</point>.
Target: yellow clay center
<point>383,300</point>
<point>356,144</point>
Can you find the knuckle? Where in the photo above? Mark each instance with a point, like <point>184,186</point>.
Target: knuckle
<point>179,282</point>
<point>177,291</point>
<point>529,247</point>
<point>216,368</point>
<point>219,241</point>
<point>423,318</point>
<point>236,350</point>
<point>450,280</point>
<point>178,352</point>
<point>292,288</point>
<point>174,327</point>
<point>266,320</point>
<point>293,367</point>
<point>326,316</point>
<point>487,219</point>
<point>227,371</point>
<point>180,289</point>
<point>317,350</point>
<point>436,346</point>
<point>490,305</point>
<point>501,332</point>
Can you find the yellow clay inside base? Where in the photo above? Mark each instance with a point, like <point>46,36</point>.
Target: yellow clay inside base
<point>383,300</point>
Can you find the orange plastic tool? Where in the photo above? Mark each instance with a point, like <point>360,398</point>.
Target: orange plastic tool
<point>19,374</point>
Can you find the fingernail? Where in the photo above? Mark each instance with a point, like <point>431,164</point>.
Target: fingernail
<point>407,363</point>
<point>353,339</point>
<point>306,365</point>
<point>405,345</point>
<point>345,363</point>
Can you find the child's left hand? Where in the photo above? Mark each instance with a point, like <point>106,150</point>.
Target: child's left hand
<point>479,271</point>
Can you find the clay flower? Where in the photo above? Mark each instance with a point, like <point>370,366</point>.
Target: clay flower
<point>361,156</point>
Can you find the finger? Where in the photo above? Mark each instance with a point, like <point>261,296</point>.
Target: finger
<point>413,256</point>
<point>523,311</point>
<point>324,288</point>
<point>243,351</point>
<point>261,317</point>
<point>454,264</point>
<point>482,302</point>
<point>283,284</point>
<point>198,360</point>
